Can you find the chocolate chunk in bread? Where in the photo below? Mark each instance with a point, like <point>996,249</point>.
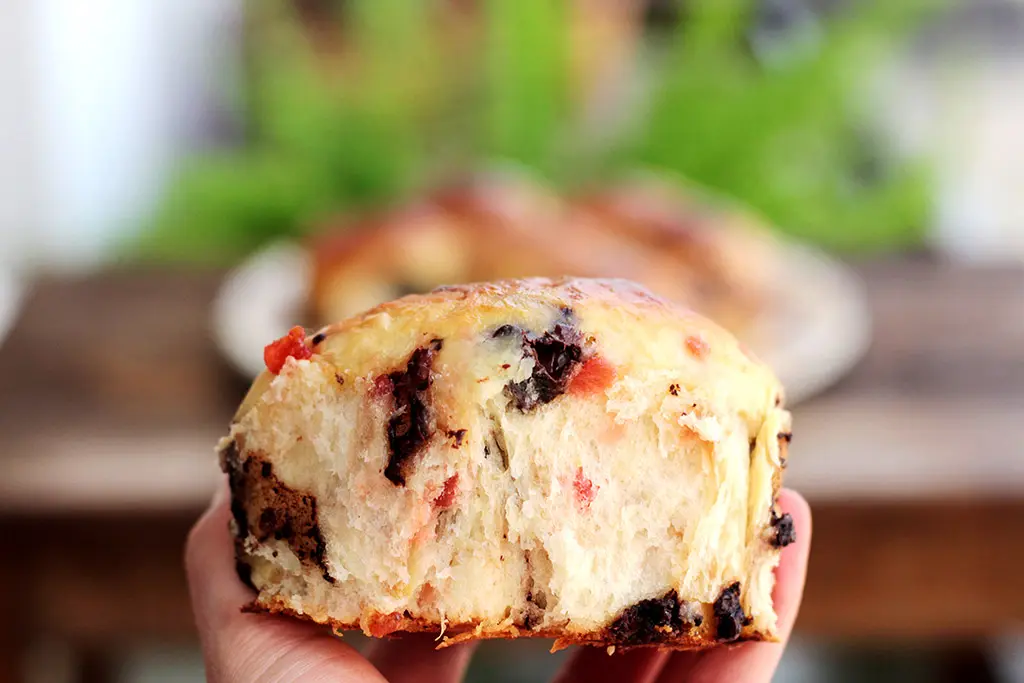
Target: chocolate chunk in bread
<point>411,422</point>
<point>650,621</point>
<point>783,531</point>
<point>729,613</point>
<point>557,355</point>
<point>263,505</point>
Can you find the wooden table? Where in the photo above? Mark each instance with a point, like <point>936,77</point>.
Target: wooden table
<point>112,397</point>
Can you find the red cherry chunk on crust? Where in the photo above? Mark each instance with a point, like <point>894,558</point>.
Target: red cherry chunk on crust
<point>292,345</point>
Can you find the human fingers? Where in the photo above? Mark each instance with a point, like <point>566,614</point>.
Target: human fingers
<point>412,658</point>
<point>594,665</point>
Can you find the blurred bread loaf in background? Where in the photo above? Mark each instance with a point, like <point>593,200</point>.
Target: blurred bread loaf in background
<point>682,244</point>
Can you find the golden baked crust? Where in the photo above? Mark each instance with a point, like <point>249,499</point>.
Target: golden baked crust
<point>571,459</point>
<point>453,634</point>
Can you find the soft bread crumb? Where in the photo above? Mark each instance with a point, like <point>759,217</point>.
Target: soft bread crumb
<point>639,512</point>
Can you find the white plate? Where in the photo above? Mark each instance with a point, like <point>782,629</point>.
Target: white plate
<point>819,326</point>
<point>815,333</point>
<point>259,302</point>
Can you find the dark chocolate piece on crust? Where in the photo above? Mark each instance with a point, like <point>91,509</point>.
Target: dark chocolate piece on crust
<point>557,355</point>
<point>729,613</point>
<point>650,621</point>
<point>783,531</point>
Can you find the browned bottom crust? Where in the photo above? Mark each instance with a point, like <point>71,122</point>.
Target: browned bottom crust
<point>390,626</point>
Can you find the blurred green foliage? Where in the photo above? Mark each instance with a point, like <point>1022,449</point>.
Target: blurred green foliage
<point>786,137</point>
<point>419,100</point>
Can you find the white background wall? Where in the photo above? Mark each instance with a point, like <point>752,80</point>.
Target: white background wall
<point>97,100</point>
<point>963,105</point>
<point>19,176</point>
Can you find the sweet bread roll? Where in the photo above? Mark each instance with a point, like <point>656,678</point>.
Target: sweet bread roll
<point>570,459</point>
<point>488,227</point>
<point>725,258</point>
